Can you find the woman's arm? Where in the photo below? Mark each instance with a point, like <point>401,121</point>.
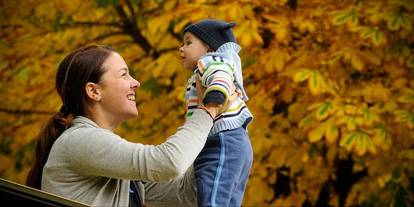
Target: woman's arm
<point>106,154</point>
<point>178,192</point>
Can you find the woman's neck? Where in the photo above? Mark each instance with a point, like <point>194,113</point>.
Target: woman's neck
<point>105,122</point>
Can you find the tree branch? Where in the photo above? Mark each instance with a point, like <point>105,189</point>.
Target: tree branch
<point>131,9</point>
<point>132,29</point>
<point>101,37</point>
<point>105,24</point>
<point>25,111</point>
<point>167,50</point>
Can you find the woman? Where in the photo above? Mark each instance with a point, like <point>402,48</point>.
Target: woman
<point>82,159</point>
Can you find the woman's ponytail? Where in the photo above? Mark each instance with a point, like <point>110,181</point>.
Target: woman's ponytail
<point>53,129</point>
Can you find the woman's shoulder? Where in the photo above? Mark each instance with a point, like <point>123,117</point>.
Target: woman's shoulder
<point>85,134</point>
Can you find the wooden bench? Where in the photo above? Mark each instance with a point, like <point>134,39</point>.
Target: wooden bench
<point>14,194</point>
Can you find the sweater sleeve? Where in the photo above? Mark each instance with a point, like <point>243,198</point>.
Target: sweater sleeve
<point>217,76</point>
<point>181,192</point>
<point>93,151</point>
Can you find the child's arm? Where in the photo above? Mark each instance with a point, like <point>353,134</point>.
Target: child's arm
<point>217,76</point>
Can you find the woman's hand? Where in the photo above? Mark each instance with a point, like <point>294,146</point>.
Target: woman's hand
<point>215,109</point>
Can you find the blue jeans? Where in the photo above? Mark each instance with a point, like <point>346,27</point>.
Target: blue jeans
<point>223,167</point>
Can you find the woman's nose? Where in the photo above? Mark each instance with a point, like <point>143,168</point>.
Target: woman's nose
<point>181,49</point>
<point>135,84</point>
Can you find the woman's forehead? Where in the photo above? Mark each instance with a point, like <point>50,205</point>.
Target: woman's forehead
<point>114,62</point>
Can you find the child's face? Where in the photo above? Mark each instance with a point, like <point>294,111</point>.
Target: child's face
<point>192,49</point>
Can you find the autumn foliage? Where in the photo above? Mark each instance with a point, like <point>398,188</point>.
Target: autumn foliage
<point>331,86</point>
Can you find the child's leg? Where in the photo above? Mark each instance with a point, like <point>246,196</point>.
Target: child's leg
<point>219,167</point>
<point>238,191</point>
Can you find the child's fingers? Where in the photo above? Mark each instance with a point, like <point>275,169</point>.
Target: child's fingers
<point>200,90</point>
<point>239,93</point>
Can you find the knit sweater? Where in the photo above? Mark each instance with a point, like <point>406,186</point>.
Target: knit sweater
<point>218,71</point>
<point>94,166</point>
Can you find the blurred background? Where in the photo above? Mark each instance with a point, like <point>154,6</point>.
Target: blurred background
<point>331,86</point>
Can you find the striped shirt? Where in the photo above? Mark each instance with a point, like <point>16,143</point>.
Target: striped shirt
<point>216,72</point>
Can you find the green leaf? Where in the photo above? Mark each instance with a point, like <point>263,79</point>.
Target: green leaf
<point>104,3</point>
<point>399,19</point>
<point>349,140</point>
<point>324,111</point>
<point>377,38</point>
<point>24,74</point>
<point>153,86</point>
<point>341,18</point>
<point>302,75</point>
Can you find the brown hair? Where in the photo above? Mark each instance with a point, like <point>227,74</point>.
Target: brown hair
<point>75,71</point>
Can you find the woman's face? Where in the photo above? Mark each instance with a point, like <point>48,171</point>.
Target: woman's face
<point>118,90</point>
<point>191,51</point>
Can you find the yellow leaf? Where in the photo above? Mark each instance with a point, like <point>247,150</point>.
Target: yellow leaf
<point>381,138</point>
<point>235,11</point>
<point>246,39</point>
<point>324,111</point>
<point>281,34</point>
<point>404,116</point>
<point>348,140</point>
<point>169,5</point>
<point>356,62</point>
<point>369,116</point>
<point>371,57</point>
<point>351,123</point>
<point>180,26</point>
<point>376,36</point>
<point>331,132</point>
<point>370,145</point>
<point>257,38</point>
<point>316,134</point>
<point>384,179</point>
<point>302,75</point>
<point>407,96</point>
<point>398,19</point>
<point>306,122</point>
<point>316,83</point>
<point>315,106</point>
<point>360,145</point>
<point>295,112</point>
<point>341,18</point>
<point>279,60</point>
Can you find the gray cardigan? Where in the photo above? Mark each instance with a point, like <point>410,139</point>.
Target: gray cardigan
<point>94,166</point>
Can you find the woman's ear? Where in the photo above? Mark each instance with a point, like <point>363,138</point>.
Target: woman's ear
<point>93,91</point>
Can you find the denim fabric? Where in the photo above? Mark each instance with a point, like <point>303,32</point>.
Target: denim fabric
<point>222,168</point>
